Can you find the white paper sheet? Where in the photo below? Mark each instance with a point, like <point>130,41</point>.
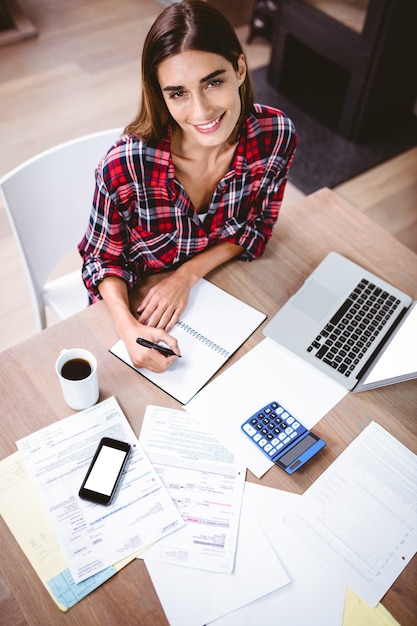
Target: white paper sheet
<point>400,357</point>
<point>205,484</point>
<point>361,513</point>
<point>314,597</point>
<point>93,536</point>
<point>267,372</point>
<point>192,597</point>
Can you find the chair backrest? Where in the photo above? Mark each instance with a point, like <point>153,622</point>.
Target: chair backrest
<point>48,201</point>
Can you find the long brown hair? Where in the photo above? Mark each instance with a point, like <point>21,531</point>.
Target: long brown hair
<point>186,25</point>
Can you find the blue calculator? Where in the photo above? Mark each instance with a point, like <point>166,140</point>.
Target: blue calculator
<point>281,437</point>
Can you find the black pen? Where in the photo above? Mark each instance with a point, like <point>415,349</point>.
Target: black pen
<point>157,346</point>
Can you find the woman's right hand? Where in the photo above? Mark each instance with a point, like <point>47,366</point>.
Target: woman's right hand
<point>149,358</point>
<point>115,294</point>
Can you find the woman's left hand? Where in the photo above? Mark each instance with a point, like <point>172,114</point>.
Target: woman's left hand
<point>165,300</point>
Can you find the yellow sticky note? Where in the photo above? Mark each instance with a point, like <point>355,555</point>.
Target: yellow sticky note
<point>358,613</point>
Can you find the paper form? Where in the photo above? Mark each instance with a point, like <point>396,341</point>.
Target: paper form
<point>361,514</point>
<point>22,510</point>
<point>93,537</point>
<point>205,484</point>
<point>315,597</point>
<point>193,597</point>
<point>267,372</point>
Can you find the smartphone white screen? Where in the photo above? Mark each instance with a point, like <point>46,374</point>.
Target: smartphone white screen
<point>105,471</point>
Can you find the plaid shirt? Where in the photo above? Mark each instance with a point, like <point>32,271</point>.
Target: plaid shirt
<point>142,221</point>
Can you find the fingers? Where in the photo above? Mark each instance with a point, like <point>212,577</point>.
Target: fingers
<point>171,323</point>
<point>154,361</point>
<point>151,358</point>
<point>163,304</point>
<point>164,317</point>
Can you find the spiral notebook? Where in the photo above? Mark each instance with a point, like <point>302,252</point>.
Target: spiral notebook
<point>214,325</point>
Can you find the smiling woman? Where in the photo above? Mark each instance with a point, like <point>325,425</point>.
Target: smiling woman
<point>196,180</point>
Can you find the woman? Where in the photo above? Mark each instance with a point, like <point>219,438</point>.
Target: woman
<point>196,180</point>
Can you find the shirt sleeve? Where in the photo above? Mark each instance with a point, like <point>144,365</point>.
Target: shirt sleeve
<point>106,239</point>
<point>265,205</point>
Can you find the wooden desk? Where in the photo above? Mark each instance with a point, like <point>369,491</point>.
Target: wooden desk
<point>31,398</point>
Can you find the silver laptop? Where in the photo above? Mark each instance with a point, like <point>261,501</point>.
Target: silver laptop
<point>353,326</point>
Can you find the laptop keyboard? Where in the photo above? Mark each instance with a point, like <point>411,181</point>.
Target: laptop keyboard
<point>354,327</point>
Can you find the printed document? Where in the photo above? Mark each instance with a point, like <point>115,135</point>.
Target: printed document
<point>93,537</point>
<point>360,515</point>
<point>193,596</point>
<point>205,484</point>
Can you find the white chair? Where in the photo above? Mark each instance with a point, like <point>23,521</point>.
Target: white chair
<point>48,201</point>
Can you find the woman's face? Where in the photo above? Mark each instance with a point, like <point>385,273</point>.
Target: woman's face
<point>201,91</point>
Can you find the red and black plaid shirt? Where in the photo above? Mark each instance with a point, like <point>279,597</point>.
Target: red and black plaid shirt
<point>142,221</point>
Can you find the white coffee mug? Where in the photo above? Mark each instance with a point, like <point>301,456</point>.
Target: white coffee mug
<point>77,373</point>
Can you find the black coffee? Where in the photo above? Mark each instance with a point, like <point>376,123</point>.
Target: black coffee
<point>76,369</point>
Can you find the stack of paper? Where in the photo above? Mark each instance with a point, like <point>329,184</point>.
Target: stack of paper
<point>240,552</point>
<point>55,460</point>
<point>222,559</point>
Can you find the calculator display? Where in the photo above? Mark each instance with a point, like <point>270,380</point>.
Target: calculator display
<point>298,449</point>
<point>281,437</point>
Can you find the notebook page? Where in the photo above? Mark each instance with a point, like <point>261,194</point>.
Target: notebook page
<point>214,325</point>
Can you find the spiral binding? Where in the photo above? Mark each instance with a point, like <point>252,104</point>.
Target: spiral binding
<point>210,344</point>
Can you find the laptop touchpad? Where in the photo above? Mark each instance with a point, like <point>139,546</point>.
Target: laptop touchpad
<point>315,300</point>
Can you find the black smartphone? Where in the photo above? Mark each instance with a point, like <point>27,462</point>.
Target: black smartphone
<point>103,475</point>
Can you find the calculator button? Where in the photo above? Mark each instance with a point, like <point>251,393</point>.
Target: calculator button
<point>286,440</point>
<point>284,425</point>
<point>285,415</point>
<point>263,442</point>
<point>279,410</point>
<point>290,420</point>
<point>272,452</point>
<point>281,436</point>
<point>289,430</point>
<point>268,447</point>
<point>257,437</point>
<point>294,434</point>
<point>296,425</point>
<point>279,446</point>
<point>275,442</point>
<point>249,429</point>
